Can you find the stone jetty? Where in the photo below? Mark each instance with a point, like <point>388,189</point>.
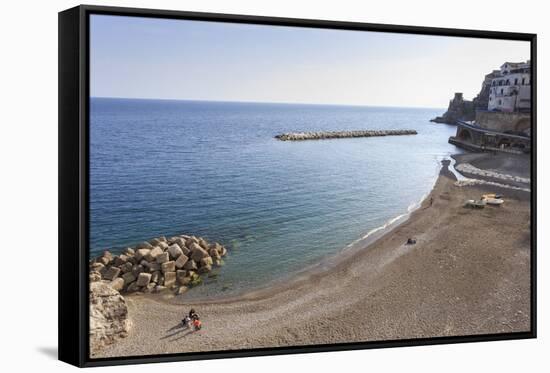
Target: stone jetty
<point>321,135</point>
<point>158,265</point>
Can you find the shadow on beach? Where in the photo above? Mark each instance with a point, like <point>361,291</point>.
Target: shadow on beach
<point>176,330</point>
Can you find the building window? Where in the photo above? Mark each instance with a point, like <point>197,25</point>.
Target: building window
<point>502,91</point>
<point>500,102</point>
<point>516,81</point>
<point>523,81</point>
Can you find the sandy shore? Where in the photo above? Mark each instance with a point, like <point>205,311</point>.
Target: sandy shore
<point>469,273</point>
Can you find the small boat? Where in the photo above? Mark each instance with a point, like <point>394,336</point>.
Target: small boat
<point>476,203</point>
<point>491,195</point>
<point>494,201</point>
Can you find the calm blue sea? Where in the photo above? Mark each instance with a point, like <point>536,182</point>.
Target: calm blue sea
<point>213,169</point>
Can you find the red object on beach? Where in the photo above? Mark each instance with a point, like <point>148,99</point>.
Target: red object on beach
<point>197,324</point>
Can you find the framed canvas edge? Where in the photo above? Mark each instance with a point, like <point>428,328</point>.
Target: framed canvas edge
<point>73,194</point>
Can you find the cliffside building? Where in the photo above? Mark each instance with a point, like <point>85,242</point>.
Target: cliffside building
<point>511,89</point>
<point>503,123</point>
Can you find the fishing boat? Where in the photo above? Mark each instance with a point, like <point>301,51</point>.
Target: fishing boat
<point>494,201</point>
<point>491,195</point>
<point>479,204</point>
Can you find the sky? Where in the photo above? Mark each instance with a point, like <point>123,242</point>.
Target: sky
<point>135,57</point>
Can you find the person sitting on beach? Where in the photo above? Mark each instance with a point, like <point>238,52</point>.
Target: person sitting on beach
<point>197,323</point>
<point>186,321</point>
<point>192,314</point>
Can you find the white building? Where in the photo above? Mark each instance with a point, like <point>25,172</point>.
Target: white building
<point>511,89</point>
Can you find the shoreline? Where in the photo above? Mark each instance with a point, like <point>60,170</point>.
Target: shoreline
<point>324,264</point>
<point>445,284</point>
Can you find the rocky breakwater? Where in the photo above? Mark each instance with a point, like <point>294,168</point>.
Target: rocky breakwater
<point>158,265</point>
<point>321,135</point>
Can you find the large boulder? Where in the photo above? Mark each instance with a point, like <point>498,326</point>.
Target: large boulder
<point>191,265</point>
<point>128,278</point>
<point>127,267</point>
<point>141,253</point>
<point>198,253</point>
<point>108,316</point>
<point>178,241</point>
<point>163,258</point>
<point>129,251</point>
<point>133,287</point>
<point>111,273</point>
<point>203,243</point>
<point>215,254</point>
<point>120,260</point>
<point>156,241</point>
<point>169,279</point>
<point>152,267</point>
<point>216,246</point>
<point>182,259</point>
<point>175,251</point>
<point>117,283</point>
<point>143,279</point>
<point>190,241</point>
<point>154,253</point>
<point>168,266</point>
<point>103,260</point>
<point>137,269</point>
<point>206,261</point>
<point>224,251</point>
<point>180,275</point>
<point>144,245</point>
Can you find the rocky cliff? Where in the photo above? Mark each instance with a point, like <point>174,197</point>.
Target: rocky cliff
<point>108,316</point>
<point>459,109</point>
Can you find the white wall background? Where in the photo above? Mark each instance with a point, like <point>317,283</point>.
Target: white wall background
<point>28,183</point>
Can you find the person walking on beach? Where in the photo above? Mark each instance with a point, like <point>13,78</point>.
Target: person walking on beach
<point>431,201</point>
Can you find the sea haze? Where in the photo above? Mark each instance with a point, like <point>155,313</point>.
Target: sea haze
<point>213,169</point>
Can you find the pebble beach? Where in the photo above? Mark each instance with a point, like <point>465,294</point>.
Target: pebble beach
<point>467,274</point>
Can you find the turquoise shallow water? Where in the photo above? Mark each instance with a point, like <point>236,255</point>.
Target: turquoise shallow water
<point>213,169</point>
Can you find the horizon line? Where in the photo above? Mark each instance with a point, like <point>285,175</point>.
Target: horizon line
<point>265,102</point>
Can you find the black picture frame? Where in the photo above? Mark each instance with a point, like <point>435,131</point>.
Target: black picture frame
<point>74,196</point>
